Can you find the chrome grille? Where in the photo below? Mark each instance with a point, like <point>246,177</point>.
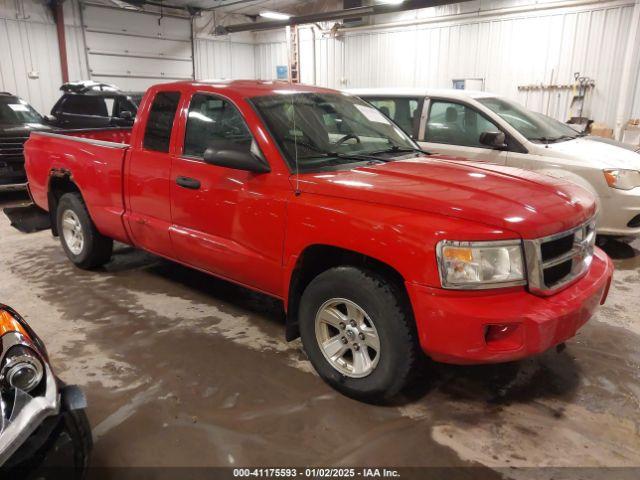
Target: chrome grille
<point>12,160</point>
<point>11,149</point>
<point>556,261</point>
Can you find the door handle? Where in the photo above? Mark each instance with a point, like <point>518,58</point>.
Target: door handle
<point>188,182</point>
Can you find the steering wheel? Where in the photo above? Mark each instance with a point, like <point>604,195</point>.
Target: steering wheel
<point>348,136</point>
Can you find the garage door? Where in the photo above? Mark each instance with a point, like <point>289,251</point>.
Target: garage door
<point>135,50</point>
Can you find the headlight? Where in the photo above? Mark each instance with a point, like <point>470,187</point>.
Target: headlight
<point>477,265</point>
<point>21,367</point>
<point>622,179</point>
<point>28,389</point>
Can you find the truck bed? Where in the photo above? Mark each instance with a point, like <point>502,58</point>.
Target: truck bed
<point>94,159</point>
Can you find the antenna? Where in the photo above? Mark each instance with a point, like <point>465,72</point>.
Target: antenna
<point>293,112</point>
<point>295,144</point>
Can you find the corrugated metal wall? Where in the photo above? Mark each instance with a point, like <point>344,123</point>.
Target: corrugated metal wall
<point>267,57</point>
<point>635,110</point>
<point>223,59</point>
<point>270,51</point>
<point>28,31</point>
<point>29,44</point>
<point>507,49</point>
<point>537,49</point>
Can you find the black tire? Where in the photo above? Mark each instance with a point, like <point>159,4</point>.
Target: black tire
<point>96,249</point>
<point>78,425</point>
<point>388,310</point>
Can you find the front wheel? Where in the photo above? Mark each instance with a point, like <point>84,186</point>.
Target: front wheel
<point>358,332</point>
<point>84,245</point>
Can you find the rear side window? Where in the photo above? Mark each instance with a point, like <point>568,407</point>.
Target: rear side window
<point>216,123</point>
<point>84,105</point>
<point>160,122</point>
<point>402,110</point>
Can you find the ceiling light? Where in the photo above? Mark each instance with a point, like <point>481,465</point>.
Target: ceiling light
<point>392,2</point>
<point>125,5</point>
<point>275,15</point>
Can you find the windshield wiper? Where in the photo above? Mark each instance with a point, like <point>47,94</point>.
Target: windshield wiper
<point>566,137</point>
<point>398,148</point>
<point>363,157</point>
<point>548,140</point>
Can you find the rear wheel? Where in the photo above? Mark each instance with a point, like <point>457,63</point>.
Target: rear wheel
<point>359,333</point>
<point>84,245</point>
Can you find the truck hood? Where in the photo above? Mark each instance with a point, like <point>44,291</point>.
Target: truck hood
<point>21,130</point>
<point>594,152</point>
<point>517,200</point>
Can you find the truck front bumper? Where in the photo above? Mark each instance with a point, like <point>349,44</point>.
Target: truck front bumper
<point>491,326</point>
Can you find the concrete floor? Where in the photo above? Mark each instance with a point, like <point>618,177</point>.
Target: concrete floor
<point>181,369</point>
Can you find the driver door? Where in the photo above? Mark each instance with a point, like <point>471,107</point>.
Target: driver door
<point>225,221</point>
<point>453,128</point>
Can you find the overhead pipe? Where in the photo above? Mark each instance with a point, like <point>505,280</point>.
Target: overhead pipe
<point>332,15</point>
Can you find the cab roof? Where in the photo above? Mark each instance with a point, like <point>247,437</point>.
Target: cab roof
<point>420,92</point>
<point>250,88</point>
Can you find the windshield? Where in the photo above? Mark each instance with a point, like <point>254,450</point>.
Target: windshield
<point>534,126</point>
<point>14,111</point>
<point>327,129</point>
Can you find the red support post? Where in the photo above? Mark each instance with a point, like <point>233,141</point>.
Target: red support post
<point>58,14</point>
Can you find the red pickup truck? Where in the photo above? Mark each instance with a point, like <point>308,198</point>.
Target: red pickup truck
<point>376,249</point>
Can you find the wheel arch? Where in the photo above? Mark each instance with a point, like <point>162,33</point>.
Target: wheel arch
<point>60,182</point>
<point>318,258</point>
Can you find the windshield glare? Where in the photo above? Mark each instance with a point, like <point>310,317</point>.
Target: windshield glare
<point>534,126</point>
<point>17,112</point>
<point>323,129</point>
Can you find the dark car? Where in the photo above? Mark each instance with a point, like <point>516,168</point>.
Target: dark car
<point>44,431</point>
<point>17,120</point>
<point>94,105</point>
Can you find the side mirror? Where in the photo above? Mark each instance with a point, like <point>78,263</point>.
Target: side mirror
<point>495,140</point>
<point>126,115</point>
<point>236,159</point>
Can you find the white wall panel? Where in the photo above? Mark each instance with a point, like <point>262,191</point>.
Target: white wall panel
<point>635,109</point>
<point>532,48</point>
<point>29,47</point>
<point>508,43</point>
<point>267,57</point>
<point>224,59</point>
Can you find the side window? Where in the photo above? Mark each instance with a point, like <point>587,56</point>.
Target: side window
<point>84,105</point>
<point>214,122</point>
<point>124,105</point>
<point>401,110</point>
<point>456,124</point>
<point>160,122</point>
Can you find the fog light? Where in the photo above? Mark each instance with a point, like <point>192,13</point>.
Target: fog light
<point>22,369</point>
<point>507,336</point>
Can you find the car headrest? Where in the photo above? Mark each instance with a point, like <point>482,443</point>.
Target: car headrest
<point>451,115</point>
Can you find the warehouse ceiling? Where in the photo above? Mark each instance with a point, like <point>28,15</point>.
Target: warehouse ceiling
<point>232,16</point>
<point>251,7</point>
<point>246,7</point>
